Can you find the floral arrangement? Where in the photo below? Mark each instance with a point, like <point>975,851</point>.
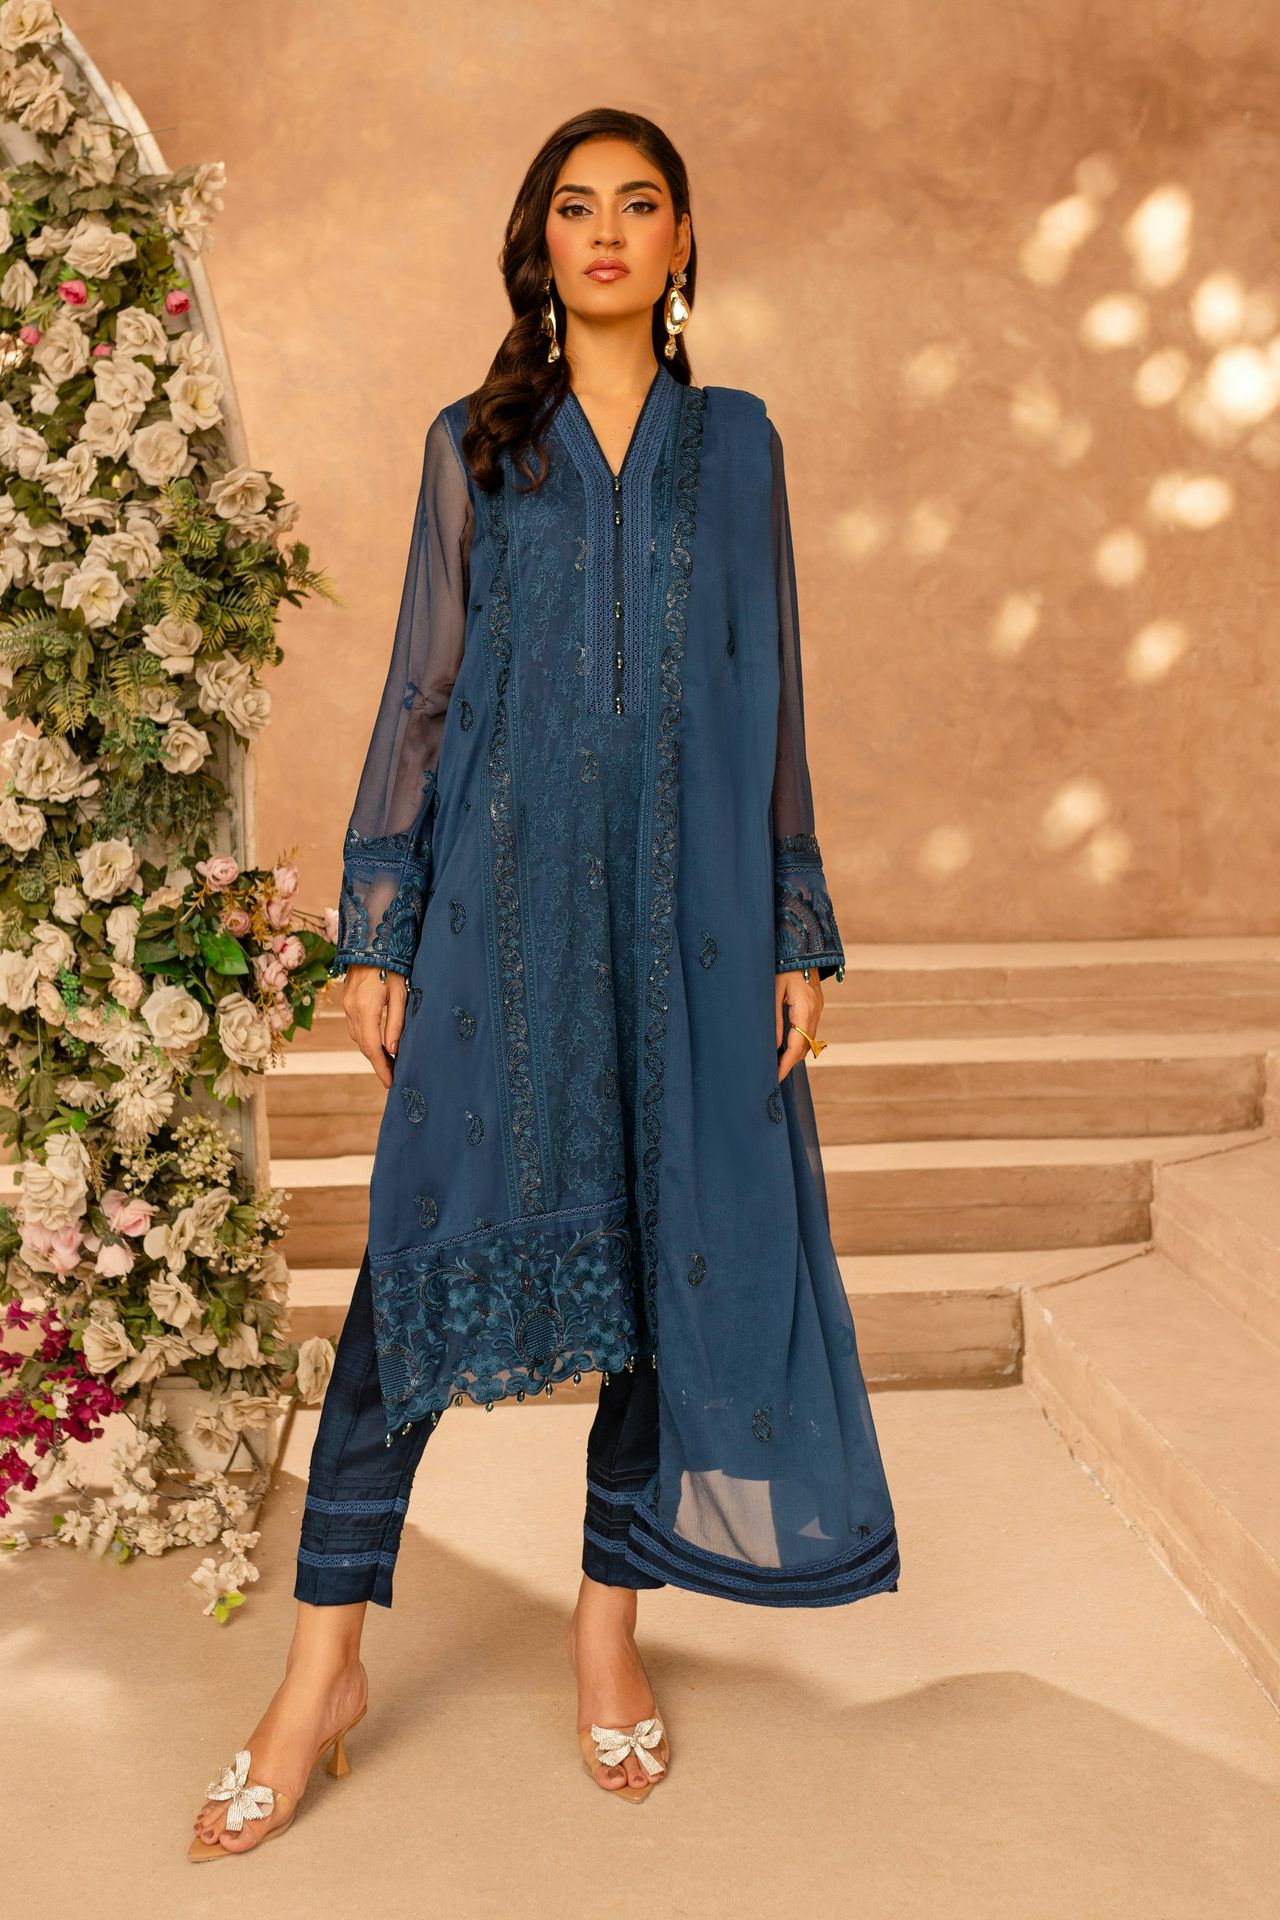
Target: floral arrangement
<point>146,980</point>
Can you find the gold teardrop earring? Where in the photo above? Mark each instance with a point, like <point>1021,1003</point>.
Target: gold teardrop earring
<point>549,322</point>
<point>677,315</point>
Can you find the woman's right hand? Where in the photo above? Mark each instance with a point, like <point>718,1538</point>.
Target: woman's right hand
<point>375,1015</point>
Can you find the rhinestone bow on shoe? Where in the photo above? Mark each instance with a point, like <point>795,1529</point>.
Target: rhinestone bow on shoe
<point>613,1744</point>
<point>247,1802</point>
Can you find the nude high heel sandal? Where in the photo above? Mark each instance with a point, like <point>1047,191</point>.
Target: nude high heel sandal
<point>251,1800</point>
<point>609,1747</point>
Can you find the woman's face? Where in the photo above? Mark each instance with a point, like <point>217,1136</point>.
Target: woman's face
<point>610,203</point>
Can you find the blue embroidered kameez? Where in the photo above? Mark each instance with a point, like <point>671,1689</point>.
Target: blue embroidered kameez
<point>584,833</point>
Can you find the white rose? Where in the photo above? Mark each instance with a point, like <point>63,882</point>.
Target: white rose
<point>53,948</point>
<point>91,156</point>
<point>19,979</point>
<point>184,748</point>
<point>97,591</point>
<point>108,867</point>
<point>53,1194</point>
<point>242,1349</point>
<point>126,986</point>
<point>62,350</point>
<point>48,240</point>
<point>193,351</point>
<point>122,930</point>
<point>248,710</point>
<point>28,454</point>
<point>95,248</point>
<point>175,1017</point>
<point>46,768</point>
<point>48,107</point>
<point>18,285</point>
<point>160,452</point>
<point>252,1411</point>
<point>243,1034</point>
<point>22,21</point>
<point>219,681</point>
<point>68,903</point>
<point>241,491</point>
<point>315,1365</point>
<point>174,642</point>
<point>173,1300</point>
<point>71,477</point>
<point>106,1344</point>
<point>123,383</point>
<point>138,331</point>
<point>193,399</point>
<point>21,828</point>
<point>105,430</point>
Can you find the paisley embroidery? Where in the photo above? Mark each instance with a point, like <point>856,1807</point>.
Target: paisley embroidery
<point>369,862</point>
<point>590,766</point>
<point>415,999</point>
<point>710,951</point>
<point>760,1425</point>
<point>465,714</point>
<point>806,930</point>
<point>428,1211</point>
<point>774,1103</point>
<point>611,1082</point>
<point>475,1128</point>
<point>595,870</point>
<point>415,1103</point>
<point>457,916</point>
<point>604,976</point>
<point>662,850</point>
<point>697,1269</point>
<point>466,1023</point>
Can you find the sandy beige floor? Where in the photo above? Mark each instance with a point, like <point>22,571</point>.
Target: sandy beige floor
<point>1037,1723</point>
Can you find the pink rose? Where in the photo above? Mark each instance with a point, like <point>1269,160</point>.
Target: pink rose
<point>279,912</point>
<point>331,924</point>
<point>286,877</point>
<point>46,1252</point>
<point>290,950</point>
<point>30,336</point>
<point>176,302</point>
<point>271,974</point>
<point>220,872</point>
<point>236,921</point>
<point>279,1014</point>
<point>74,292</point>
<point>127,1212</point>
<point>114,1260</point>
<point>103,348</point>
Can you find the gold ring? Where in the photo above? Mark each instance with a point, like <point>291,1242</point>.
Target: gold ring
<point>816,1045</point>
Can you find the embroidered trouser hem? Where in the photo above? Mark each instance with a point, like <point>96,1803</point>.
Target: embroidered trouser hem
<point>358,1487</point>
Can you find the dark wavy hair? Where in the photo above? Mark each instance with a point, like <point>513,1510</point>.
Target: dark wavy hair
<point>522,390</point>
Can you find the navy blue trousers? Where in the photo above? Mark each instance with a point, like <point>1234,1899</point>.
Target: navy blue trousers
<point>358,1487</point>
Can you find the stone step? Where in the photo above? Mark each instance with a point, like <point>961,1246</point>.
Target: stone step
<point>919,1196</point>
<point>330,1101</point>
<point>1055,986</point>
<point>898,1197</point>
<point>1040,1085</point>
<point>950,1319</point>
<point>1170,1403</point>
<point>1219,1219</point>
<point>923,1320</point>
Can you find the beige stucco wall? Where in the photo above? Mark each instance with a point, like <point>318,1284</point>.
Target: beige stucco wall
<point>964,249</point>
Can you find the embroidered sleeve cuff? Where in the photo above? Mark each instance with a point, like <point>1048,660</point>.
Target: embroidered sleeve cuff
<point>806,930</point>
<point>393,869</point>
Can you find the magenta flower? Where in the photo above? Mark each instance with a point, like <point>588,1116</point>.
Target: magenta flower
<point>30,335</point>
<point>176,302</point>
<point>74,292</point>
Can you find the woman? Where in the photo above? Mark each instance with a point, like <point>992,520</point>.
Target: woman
<point>584,927</point>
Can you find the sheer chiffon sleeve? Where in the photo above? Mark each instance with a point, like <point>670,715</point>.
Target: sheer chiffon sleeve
<point>806,931</point>
<point>386,855</point>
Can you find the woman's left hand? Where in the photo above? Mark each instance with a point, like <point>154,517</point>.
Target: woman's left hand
<point>803,1000</point>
